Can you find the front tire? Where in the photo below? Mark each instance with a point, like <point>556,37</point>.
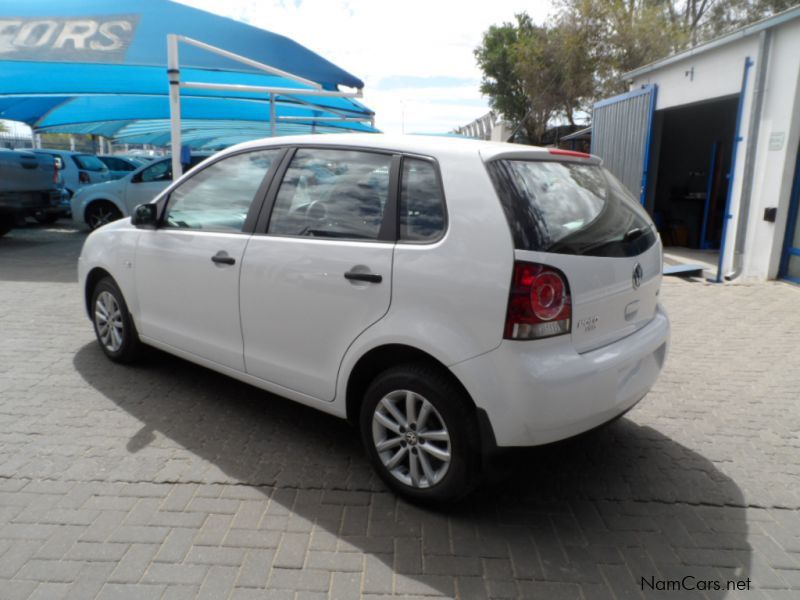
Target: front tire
<point>101,212</point>
<point>113,324</point>
<point>421,435</point>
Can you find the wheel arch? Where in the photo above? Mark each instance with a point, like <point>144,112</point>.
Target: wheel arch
<point>100,200</point>
<point>92,279</point>
<point>383,357</point>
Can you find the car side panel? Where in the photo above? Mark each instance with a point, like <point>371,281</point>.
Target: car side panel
<point>449,298</point>
<point>112,248</point>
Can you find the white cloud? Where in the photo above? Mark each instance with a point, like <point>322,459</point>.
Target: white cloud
<point>378,39</point>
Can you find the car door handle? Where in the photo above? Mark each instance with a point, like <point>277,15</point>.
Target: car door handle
<point>357,276</point>
<point>222,258</point>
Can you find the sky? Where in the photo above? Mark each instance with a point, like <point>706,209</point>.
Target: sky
<point>414,56</point>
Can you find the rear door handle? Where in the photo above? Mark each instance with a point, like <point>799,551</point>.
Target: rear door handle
<point>370,277</point>
<point>222,258</point>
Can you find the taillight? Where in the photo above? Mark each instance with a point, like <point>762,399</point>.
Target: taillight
<point>539,303</point>
<point>83,177</point>
<point>55,174</point>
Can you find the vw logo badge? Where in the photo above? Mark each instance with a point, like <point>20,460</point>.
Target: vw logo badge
<point>637,276</point>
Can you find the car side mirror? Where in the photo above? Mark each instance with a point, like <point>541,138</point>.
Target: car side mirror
<point>136,178</point>
<point>145,216</point>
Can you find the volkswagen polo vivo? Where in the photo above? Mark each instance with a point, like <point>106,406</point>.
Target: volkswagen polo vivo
<point>449,297</point>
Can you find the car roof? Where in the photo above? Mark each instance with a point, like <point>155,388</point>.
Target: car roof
<point>435,146</point>
<point>66,152</point>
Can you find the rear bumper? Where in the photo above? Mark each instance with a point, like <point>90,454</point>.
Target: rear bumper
<point>28,203</point>
<point>540,392</point>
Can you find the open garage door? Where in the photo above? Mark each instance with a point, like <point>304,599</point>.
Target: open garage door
<point>621,131</point>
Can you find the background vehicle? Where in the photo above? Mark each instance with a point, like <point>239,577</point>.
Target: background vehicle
<point>28,187</point>
<point>77,169</point>
<point>449,297</point>
<point>100,204</point>
<point>119,166</point>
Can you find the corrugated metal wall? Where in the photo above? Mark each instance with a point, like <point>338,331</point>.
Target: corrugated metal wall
<point>621,134</point>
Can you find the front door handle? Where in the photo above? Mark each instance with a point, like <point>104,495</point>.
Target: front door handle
<point>357,276</point>
<point>222,258</point>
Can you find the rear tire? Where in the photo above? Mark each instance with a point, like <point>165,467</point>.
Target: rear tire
<point>101,212</point>
<point>421,435</point>
<point>113,324</point>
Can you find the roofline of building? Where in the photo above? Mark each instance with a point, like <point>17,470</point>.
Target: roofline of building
<point>747,30</point>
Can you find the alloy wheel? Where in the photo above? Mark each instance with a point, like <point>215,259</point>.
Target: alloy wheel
<point>108,320</point>
<point>411,438</point>
<point>101,215</point>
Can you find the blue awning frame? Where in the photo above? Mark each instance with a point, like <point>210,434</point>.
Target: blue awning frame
<point>95,68</point>
<point>304,91</point>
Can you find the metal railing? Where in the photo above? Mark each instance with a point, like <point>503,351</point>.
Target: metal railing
<point>313,89</point>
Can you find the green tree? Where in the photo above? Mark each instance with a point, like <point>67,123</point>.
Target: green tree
<point>534,74</point>
<point>497,59</point>
<point>557,74</point>
<point>621,35</point>
<point>732,14</point>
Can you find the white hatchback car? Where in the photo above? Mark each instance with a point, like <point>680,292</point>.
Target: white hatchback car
<point>449,297</point>
<point>77,170</point>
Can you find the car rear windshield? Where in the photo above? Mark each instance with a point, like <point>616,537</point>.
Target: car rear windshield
<point>570,208</point>
<point>89,162</point>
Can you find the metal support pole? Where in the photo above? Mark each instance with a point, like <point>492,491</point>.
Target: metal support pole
<point>764,43</point>
<point>737,139</point>
<point>250,62</point>
<point>273,124</point>
<point>174,73</point>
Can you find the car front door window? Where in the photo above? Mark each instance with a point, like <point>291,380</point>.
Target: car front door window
<point>218,198</point>
<point>161,171</point>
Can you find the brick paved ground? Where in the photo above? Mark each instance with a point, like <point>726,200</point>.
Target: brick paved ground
<point>169,481</point>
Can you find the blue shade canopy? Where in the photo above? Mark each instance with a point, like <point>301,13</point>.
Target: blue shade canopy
<point>99,66</point>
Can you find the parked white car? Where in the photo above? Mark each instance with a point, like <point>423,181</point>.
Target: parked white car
<point>119,166</point>
<point>100,204</point>
<point>449,297</point>
<point>77,170</point>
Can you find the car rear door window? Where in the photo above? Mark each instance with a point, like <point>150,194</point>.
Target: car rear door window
<point>219,197</point>
<point>422,215</point>
<point>332,194</point>
<point>89,162</point>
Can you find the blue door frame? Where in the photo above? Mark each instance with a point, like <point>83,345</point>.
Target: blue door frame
<point>648,142</point>
<point>712,171</point>
<point>791,225</point>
